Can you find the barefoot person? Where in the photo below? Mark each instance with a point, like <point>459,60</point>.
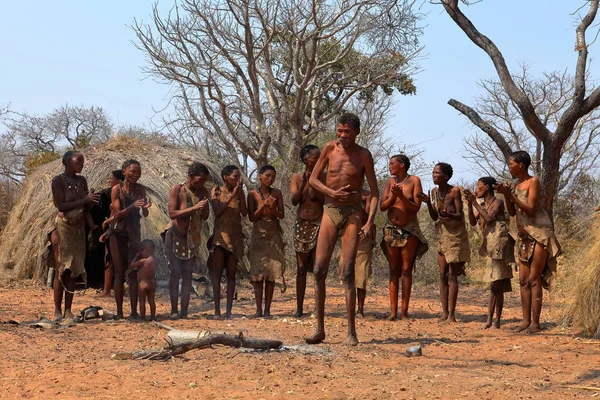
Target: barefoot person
<point>403,240</point>
<point>116,178</point>
<point>446,209</point>
<point>497,245</point>
<point>128,198</point>
<point>538,247</point>
<point>229,205</point>
<point>145,265</point>
<point>70,196</point>
<point>188,208</point>
<point>347,165</point>
<point>363,268</point>
<point>308,221</point>
<point>266,252</point>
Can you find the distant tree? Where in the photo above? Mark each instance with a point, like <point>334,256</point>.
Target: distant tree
<point>551,134</point>
<point>259,79</point>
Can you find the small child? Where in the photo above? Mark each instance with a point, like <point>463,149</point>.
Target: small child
<point>145,263</point>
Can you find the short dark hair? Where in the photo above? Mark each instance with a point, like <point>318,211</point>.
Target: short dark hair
<point>228,170</point>
<point>521,157</point>
<point>266,168</point>
<point>489,181</point>
<point>148,244</point>
<point>306,150</point>
<point>350,119</point>
<point>118,174</point>
<point>446,169</point>
<point>68,156</point>
<point>197,168</point>
<point>402,159</point>
<point>129,162</point>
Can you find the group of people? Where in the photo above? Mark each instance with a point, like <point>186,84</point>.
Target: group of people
<point>333,203</point>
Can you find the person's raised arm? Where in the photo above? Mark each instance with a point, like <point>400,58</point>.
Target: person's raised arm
<point>243,207</point>
<point>471,201</point>
<point>219,206</point>
<point>372,182</point>
<point>279,209</point>
<point>506,190</point>
<point>427,199</point>
<point>297,190</point>
<point>320,166</point>
<point>388,198</point>
<point>254,210</point>
<point>116,204</point>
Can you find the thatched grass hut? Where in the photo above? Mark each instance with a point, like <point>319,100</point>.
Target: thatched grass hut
<point>23,243</point>
<point>585,310</point>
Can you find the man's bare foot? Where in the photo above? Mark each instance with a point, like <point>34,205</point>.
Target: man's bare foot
<point>228,315</point>
<point>451,319</point>
<point>134,317</point>
<point>69,314</point>
<point>118,317</point>
<point>392,317</point>
<point>533,328</point>
<point>522,327</point>
<point>496,325</point>
<point>174,316</point>
<point>443,318</point>
<point>487,325</point>
<point>404,317</point>
<point>351,340</point>
<point>257,315</point>
<point>58,315</point>
<point>360,315</point>
<point>267,315</point>
<point>103,294</point>
<point>316,338</point>
<point>183,315</point>
<point>298,314</point>
<point>153,318</point>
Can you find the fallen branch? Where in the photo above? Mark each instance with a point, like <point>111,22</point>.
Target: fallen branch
<point>179,342</point>
<point>583,388</point>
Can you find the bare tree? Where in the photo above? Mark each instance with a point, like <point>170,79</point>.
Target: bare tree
<point>261,78</point>
<point>501,120</point>
<point>553,134</point>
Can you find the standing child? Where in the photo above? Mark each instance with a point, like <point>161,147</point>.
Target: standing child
<point>446,209</point>
<point>266,254</point>
<point>497,245</point>
<point>538,247</point>
<point>229,205</point>
<point>145,264</point>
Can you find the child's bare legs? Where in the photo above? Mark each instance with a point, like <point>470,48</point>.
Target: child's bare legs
<point>152,303</point>
<point>361,294</point>
<point>142,288</point>
<point>133,293</point>
<point>258,295</point>
<point>269,289</point>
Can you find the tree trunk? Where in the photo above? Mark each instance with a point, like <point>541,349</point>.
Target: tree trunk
<point>550,175</point>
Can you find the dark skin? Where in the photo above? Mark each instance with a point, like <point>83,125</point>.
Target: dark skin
<point>132,174</point>
<point>402,203</point>
<point>361,294</point>
<point>450,209</point>
<point>108,272</point>
<point>310,208</point>
<point>221,258</point>
<point>145,264</point>
<point>530,274</point>
<point>180,213</point>
<point>480,215</point>
<point>65,200</point>
<point>347,165</point>
<point>270,208</point>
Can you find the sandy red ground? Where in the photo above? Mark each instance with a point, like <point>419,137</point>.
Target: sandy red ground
<point>459,360</point>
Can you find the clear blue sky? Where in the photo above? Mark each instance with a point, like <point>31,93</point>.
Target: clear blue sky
<point>80,52</point>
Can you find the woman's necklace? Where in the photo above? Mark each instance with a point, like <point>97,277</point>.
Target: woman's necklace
<point>72,183</point>
<point>400,183</point>
<point>261,193</point>
<point>128,194</point>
